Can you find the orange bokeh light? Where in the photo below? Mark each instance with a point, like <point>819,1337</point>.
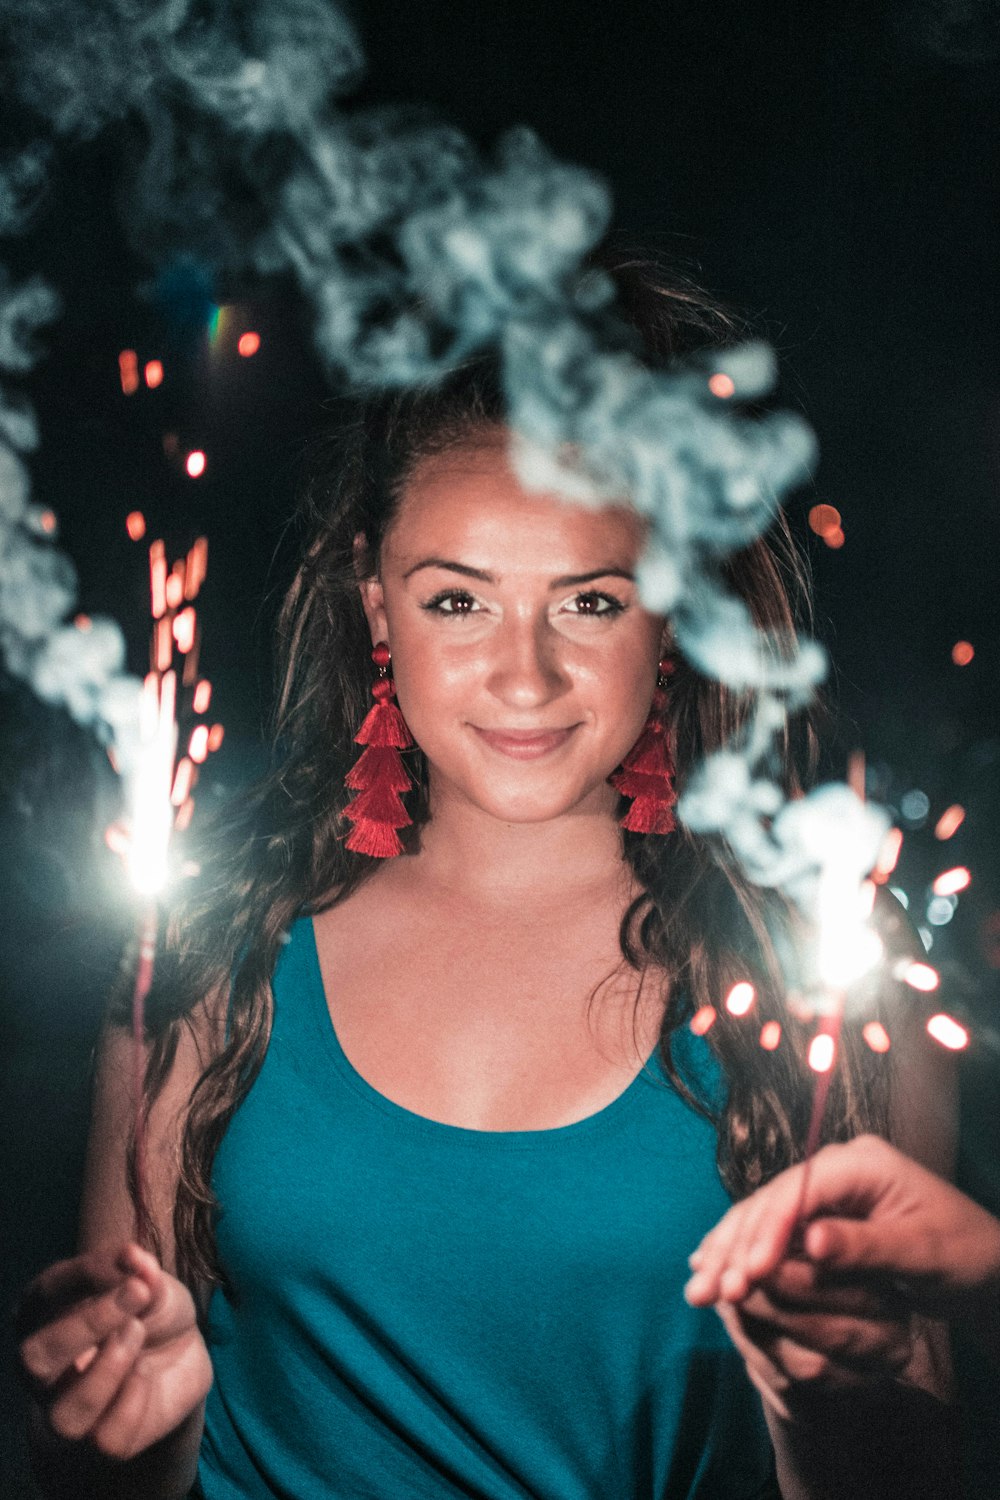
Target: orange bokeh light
<point>202,696</point>
<point>962,653</point>
<point>128,370</point>
<point>876,1036</point>
<point>740,998</point>
<point>824,519</point>
<point>948,1032</point>
<point>249,344</point>
<point>703,1019</point>
<point>83,622</point>
<point>950,882</point>
<point>722,385</point>
<point>153,373</point>
<point>135,525</point>
<point>950,821</point>
<point>215,736</point>
<point>47,521</point>
<point>195,464</point>
<point>770,1035</point>
<point>834,538</point>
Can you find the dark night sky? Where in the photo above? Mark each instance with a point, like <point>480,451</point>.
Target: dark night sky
<point>828,169</point>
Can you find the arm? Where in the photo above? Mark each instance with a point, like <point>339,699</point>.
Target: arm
<point>855,1389</point>
<point>111,1351</point>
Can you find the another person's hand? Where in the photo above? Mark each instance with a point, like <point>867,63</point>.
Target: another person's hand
<point>868,1212</point>
<point>110,1350</point>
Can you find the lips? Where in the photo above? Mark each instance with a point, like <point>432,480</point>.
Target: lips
<point>524,744</point>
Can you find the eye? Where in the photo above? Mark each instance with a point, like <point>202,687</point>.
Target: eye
<point>593,602</point>
<point>461,602</point>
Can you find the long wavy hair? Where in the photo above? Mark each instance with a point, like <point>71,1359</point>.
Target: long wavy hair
<point>280,850</point>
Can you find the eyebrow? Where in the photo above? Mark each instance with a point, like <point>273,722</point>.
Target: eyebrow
<point>568,581</point>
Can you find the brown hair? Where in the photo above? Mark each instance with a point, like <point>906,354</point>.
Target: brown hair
<point>700,920</point>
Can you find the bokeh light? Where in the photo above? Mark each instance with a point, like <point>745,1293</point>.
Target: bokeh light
<point>702,1019</point>
<point>962,653</point>
<point>740,998</point>
<point>195,463</point>
<point>950,882</point>
<point>948,1032</point>
<point>823,519</point>
<point>770,1035</point>
<point>128,371</point>
<point>876,1036</point>
<point>153,373</point>
<point>135,525</point>
<point>722,385</point>
<point>250,342</point>
<point>822,1050</point>
<point>949,822</point>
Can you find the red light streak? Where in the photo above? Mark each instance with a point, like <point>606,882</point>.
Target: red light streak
<point>158,578</point>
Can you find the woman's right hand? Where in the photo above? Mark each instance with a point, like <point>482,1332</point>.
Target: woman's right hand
<point>110,1349</point>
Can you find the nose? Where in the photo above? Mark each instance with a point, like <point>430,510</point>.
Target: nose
<point>527,670</point>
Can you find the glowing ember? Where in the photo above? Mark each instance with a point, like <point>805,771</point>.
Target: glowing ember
<point>770,1035</point>
<point>250,342</point>
<point>948,1032</point>
<point>128,370</point>
<point>949,822</point>
<point>198,748</point>
<point>703,1019</point>
<point>184,627</point>
<point>887,856</point>
<point>918,976</point>
<point>195,464</point>
<point>876,1036</point>
<point>962,653</point>
<point>950,882</point>
<point>153,373</point>
<point>135,525</point>
<point>740,998</point>
<point>822,1051</point>
<point>215,736</point>
<point>823,519</point>
<point>722,385</point>
<point>202,696</point>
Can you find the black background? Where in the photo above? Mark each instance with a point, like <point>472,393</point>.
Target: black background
<point>826,169</point>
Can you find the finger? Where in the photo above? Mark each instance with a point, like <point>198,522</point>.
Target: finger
<point>73,1339</point>
<point>866,1345</point>
<point>64,1283</point>
<point>84,1400</point>
<point>710,1258</point>
<point>770,1381</point>
<point>850,1244</point>
<point>799,1284</point>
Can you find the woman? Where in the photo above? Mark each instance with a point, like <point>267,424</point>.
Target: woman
<point>434,1189</point>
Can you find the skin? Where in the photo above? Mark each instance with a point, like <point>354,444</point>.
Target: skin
<point>874,1221</point>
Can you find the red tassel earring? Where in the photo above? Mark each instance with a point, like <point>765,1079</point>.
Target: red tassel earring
<point>647,772</point>
<point>378,775</point>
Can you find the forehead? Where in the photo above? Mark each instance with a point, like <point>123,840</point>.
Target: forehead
<point>468,505</point>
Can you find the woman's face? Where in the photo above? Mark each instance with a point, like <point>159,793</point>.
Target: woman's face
<point>510,612</point>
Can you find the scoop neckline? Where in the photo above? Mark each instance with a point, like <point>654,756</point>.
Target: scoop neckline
<point>604,1119</point>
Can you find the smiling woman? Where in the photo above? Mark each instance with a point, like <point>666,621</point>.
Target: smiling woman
<point>430,1140</point>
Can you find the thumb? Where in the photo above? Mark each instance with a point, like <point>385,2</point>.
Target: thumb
<point>856,1245</point>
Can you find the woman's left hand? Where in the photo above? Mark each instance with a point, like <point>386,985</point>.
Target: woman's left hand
<point>805,1335</point>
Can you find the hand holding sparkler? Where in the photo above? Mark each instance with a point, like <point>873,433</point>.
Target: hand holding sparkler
<point>871,1214</point>
<point>111,1353</point>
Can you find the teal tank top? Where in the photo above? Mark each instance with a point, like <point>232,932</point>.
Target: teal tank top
<point>422,1311</point>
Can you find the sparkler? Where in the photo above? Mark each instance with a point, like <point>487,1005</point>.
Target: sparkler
<point>162,800</point>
